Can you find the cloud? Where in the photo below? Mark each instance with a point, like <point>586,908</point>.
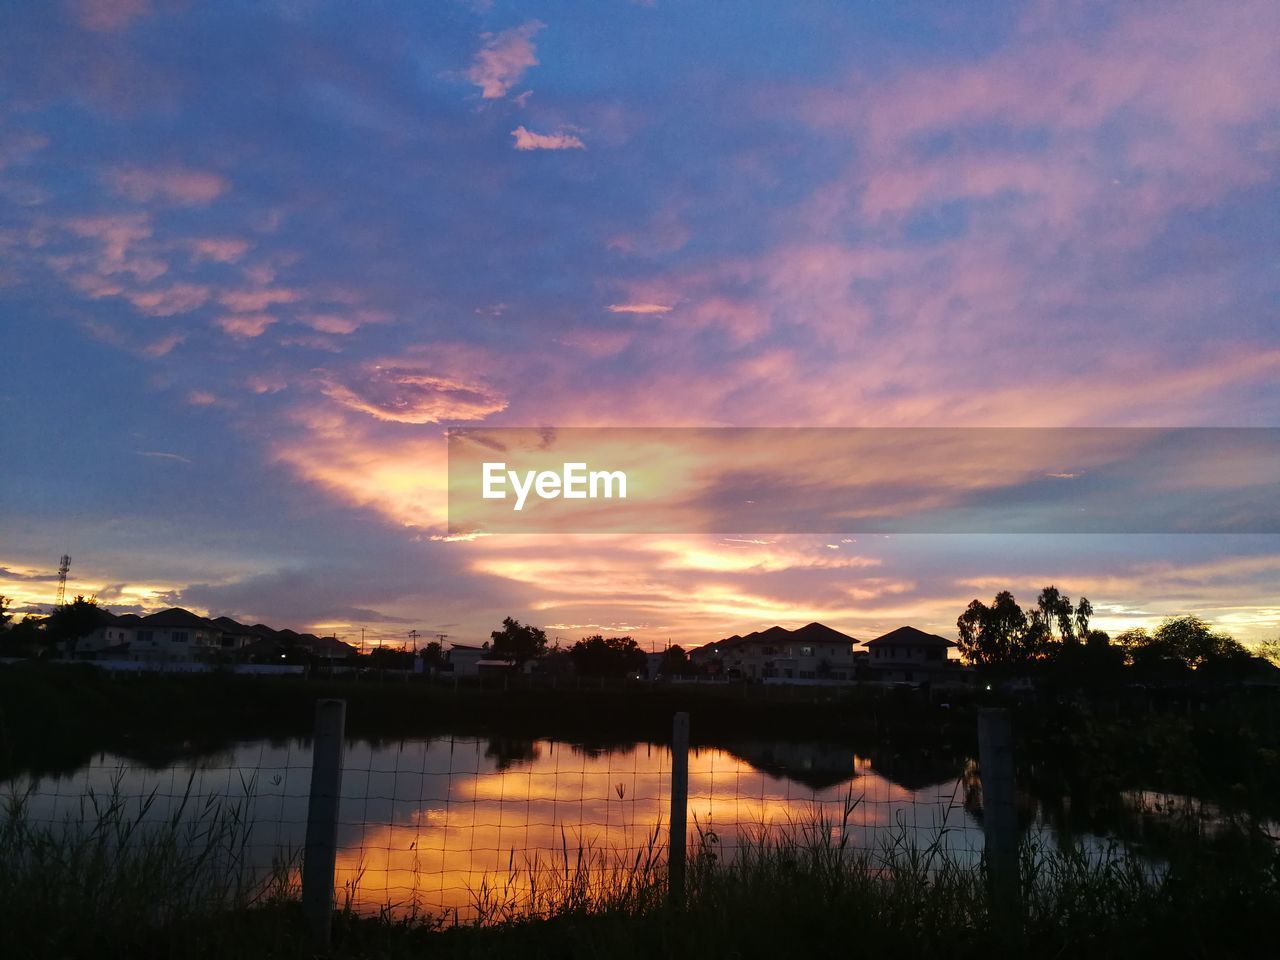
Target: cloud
<point>245,325</point>
<point>528,140</point>
<point>107,16</point>
<point>502,61</point>
<point>409,395</point>
<point>165,302</point>
<point>218,249</point>
<point>253,301</point>
<point>174,185</point>
<point>341,324</point>
<point>161,455</point>
<point>644,309</point>
<point>163,346</point>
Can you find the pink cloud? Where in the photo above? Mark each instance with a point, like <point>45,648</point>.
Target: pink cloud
<point>597,343</point>
<point>405,394</point>
<point>341,324</point>
<point>1179,86</point>
<point>218,249</point>
<point>255,301</point>
<point>179,298</point>
<point>174,185</point>
<point>245,325</point>
<point>528,140</point>
<point>107,16</point>
<point>644,309</point>
<point>117,234</point>
<point>502,61</point>
<point>163,346</point>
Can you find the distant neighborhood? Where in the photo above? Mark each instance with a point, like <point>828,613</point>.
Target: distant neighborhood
<point>1053,643</point>
<point>178,635</point>
<point>814,654</point>
<point>818,653</point>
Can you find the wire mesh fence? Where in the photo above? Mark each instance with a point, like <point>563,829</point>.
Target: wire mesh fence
<point>453,826</point>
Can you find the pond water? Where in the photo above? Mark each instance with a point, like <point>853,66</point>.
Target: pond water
<point>428,824</point>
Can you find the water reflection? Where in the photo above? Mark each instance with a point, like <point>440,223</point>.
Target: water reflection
<point>423,822</point>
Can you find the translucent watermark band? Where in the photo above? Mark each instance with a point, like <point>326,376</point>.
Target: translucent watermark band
<point>864,480</point>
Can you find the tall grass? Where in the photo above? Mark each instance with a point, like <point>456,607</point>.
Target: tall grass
<point>799,889</point>
<point>117,870</point>
<point>118,880</point>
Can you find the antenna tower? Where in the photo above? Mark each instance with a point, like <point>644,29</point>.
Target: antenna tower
<point>64,566</point>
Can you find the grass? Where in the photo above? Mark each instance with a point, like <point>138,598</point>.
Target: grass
<point>114,882</point>
<point>115,872</point>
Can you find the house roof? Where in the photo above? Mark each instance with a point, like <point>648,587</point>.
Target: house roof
<point>229,625</point>
<point>910,637</point>
<point>820,633</point>
<point>327,646</point>
<point>463,646</point>
<point>809,633</point>
<point>176,617</point>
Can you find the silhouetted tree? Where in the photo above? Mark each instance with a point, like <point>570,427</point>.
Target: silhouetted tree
<point>1269,650</point>
<point>432,655</point>
<point>1084,613</point>
<point>4,611</point>
<point>1180,643</point>
<point>1054,607</point>
<point>1002,635</point>
<point>994,635</point>
<point>675,662</point>
<point>71,621</point>
<point>518,642</point>
<point>24,638</point>
<point>613,657</point>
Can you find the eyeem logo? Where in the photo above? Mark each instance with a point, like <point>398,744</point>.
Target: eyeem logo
<point>573,482</point>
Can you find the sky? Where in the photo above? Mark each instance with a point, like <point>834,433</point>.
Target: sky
<point>255,257</point>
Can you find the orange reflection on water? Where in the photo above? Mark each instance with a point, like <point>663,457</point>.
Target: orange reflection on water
<point>429,824</point>
<point>549,803</point>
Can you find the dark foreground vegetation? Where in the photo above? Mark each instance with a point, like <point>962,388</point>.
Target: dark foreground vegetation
<point>102,887</point>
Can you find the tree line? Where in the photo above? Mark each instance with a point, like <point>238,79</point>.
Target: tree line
<point>1003,637</point>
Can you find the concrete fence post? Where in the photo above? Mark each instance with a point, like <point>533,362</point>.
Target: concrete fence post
<point>320,852</point>
<point>679,808</point>
<point>999,815</point>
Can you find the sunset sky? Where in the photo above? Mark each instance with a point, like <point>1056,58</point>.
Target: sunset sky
<point>255,256</point>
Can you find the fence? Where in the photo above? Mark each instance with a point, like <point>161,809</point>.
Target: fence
<point>461,825</point>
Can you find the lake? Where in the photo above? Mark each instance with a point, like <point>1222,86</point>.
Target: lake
<point>425,824</point>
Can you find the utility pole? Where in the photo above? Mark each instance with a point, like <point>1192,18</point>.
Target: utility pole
<point>413,638</point>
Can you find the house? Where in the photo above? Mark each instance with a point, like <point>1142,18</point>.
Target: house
<point>236,635</point>
<point>810,653</point>
<point>326,648</point>
<point>465,660</point>
<point>175,634</point>
<point>111,632</point>
<point>908,655</point>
